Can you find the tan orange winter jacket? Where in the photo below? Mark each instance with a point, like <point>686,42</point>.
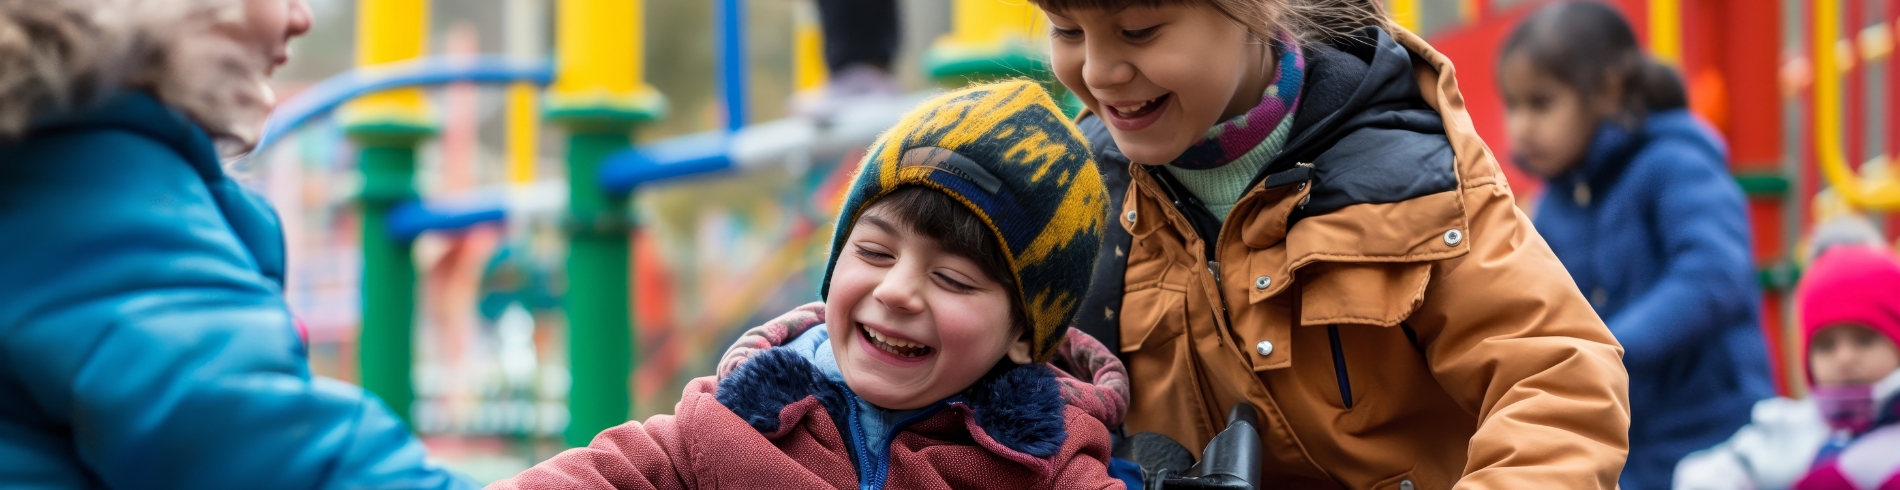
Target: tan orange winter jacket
<point>1375,295</point>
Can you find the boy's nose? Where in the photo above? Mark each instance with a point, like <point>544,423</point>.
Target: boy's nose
<point>900,292</point>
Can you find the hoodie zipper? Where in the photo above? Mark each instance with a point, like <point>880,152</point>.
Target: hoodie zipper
<point>877,470</point>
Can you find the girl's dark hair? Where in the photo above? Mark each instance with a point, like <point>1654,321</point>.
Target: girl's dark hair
<point>1587,44</point>
<point>957,230</point>
<point>1308,20</point>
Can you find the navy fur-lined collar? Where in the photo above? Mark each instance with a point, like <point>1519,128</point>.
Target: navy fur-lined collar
<point>1020,407</point>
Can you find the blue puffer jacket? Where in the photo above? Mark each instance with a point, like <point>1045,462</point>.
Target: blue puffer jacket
<point>144,340</point>
<point>1655,233</point>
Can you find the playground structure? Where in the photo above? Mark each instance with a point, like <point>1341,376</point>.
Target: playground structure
<point>594,92</point>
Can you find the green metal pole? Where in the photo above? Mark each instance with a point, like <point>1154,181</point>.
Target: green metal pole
<point>599,290</point>
<point>387,160</point>
<point>598,96</point>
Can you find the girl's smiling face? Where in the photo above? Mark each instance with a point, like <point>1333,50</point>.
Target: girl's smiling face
<point>1159,76</point>
<point>910,323</point>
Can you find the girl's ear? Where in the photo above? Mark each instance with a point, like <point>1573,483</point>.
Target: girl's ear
<point>1611,98</point>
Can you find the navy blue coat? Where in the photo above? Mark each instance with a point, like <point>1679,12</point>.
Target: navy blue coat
<point>1655,232</point>
<point>144,339</point>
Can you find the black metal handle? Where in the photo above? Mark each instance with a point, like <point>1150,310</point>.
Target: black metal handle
<point>1229,462</point>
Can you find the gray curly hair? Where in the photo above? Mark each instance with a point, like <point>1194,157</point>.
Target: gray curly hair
<point>58,56</point>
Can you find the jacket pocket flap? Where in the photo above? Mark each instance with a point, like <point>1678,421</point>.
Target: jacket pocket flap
<point>1152,315</point>
<point>1369,293</point>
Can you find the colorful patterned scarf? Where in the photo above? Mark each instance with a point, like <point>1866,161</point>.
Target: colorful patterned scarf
<point>1229,140</point>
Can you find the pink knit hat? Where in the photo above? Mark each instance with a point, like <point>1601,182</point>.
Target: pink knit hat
<point>1850,284</point>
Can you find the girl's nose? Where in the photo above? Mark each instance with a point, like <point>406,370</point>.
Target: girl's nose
<point>300,18</point>
<point>1104,67</point>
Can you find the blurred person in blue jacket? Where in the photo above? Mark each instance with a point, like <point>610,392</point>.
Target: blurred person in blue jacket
<point>144,339</point>
<point>1641,209</point>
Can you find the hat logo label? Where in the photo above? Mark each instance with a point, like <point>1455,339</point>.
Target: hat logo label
<point>954,163</point>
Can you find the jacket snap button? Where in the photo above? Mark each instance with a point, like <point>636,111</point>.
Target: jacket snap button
<point>1262,282</point>
<point>1265,348</point>
<point>1130,216</point>
<point>1405,485</point>
<point>1453,237</point>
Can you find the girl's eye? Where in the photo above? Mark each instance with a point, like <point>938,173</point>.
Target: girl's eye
<point>1139,34</point>
<point>873,255</point>
<point>953,284</point>
<point>1538,102</point>
<point>1065,34</point>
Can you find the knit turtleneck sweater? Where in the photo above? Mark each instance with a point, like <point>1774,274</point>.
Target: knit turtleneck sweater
<point>1218,168</point>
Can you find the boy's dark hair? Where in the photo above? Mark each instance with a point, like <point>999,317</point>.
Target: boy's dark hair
<point>1585,44</point>
<point>933,214</point>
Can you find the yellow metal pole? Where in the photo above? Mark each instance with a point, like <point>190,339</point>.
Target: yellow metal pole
<point>523,126</point>
<point>808,49</point>
<point>1665,30</point>
<point>600,58</point>
<point>989,38</point>
<point>523,34</point>
<point>390,31</point>
<point>1405,12</point>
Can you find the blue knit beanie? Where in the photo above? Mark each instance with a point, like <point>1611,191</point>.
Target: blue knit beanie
<point>1006,151</point>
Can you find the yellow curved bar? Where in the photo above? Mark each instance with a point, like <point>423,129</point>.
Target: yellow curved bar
<point>1884,195</point>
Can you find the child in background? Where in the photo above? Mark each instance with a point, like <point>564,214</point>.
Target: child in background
<point>1850,318</point>
<point>1841,436</point>
<point>1645,217</point>
<point>952,282</point>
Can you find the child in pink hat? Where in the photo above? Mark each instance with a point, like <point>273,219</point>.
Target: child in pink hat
<point>1849,302</point>
<point>1843,435</point>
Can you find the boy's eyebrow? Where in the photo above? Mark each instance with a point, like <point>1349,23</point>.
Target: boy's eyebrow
<point>880,223</point>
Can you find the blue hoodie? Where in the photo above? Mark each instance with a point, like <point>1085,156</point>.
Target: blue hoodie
<point>144,339</point>
<point>1655,233</point>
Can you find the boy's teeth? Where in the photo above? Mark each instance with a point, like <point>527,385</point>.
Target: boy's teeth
<point>891,341</point>
<point>896,347</point>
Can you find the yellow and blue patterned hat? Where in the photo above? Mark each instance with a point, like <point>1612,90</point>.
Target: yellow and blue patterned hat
<point>1006,151</point>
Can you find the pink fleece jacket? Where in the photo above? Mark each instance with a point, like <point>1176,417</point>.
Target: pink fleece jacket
<point>773,421</point>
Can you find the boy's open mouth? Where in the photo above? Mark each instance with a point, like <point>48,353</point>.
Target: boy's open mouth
<point>896,347</point>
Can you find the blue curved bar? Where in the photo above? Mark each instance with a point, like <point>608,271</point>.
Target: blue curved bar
<point>683,156</point>
<point>334,91</point>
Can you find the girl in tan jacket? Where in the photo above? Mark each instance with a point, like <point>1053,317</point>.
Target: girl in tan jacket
<point>1308,224</point>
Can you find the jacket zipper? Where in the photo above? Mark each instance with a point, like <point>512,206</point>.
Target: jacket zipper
<point>1339,366</point>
